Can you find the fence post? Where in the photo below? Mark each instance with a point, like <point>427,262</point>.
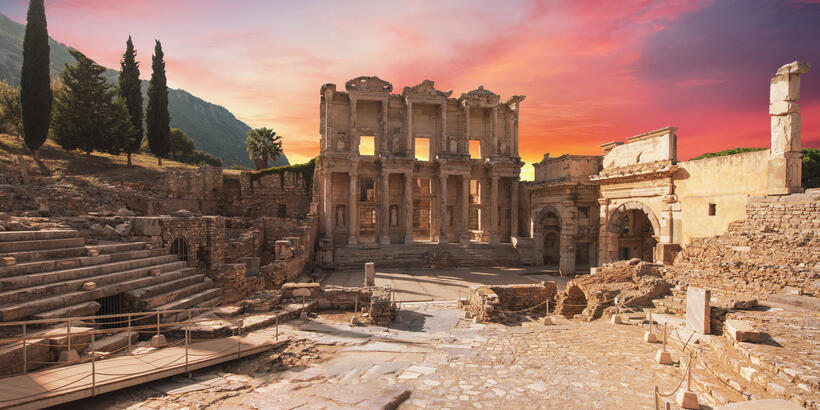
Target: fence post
<point>277,326</point>
<point>129,333</point>
<point>93,366</point>
<point>68,336</point>
<point>25,356</point>
<point>157,322</point>
<point>187,339</point>
<point>655,397</point>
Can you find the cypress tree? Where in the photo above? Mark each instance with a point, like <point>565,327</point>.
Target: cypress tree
<point>35,84</point>
<point>83,107</point>
<point>157,118</point>
<point>131,92</point>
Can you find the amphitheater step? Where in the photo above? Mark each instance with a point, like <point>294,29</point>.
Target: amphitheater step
<point>150,291</point>
<point>45,254</point>
<point>16,236</point>
<point>80,309</point>
<point>192,300</point>
<point>55,288</point>
<point>32,307</point>
<point>74,262</point>
<point>18,282</point>
<point>37,245</point>
<point>175,294</point>
<point>118,247</point>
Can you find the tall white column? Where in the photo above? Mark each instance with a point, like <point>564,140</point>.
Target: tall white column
<point>409,145</point>
<point>465,208</point>
<point>353,214</point>
<point>442,236</point>
<point>494,210</point>
<point>514,211</point>
<point>408,208</point>
<point>384,209</point>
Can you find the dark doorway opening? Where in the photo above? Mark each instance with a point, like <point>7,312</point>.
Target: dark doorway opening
<point>110,305</point>
<point>180,248</point>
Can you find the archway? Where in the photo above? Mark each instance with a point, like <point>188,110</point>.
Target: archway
<point>636,231</point>
<point>180,248</point>
<point>549,227</point>
<point>552,248</point>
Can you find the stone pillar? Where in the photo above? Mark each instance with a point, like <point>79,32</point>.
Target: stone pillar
<point>604,237</point>
<point>408,208</point>
<point>384,210</point>
<point>382,146</point>
<point>353,210</point>
<point>785,163</point>
<point>465,208</point>
<point>369,274</point>
<point>443,133</point>
<point>493,121</point>
<point>328,203</point>
<point>514,211</point>
<point>354,139</point>
<point>410,150</point>
<point>515,133</point>
<point>467,126</point>
<point>442,236</point>
<point>493,209</point>
<point>566,262</point>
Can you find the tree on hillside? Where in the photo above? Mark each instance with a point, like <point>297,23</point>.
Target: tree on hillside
<point>263,144</point>
<point>85,116</point>
<point>811,168</point>
<point>130,90</point>
<point>157,118</point>
<point>180,145</point>
<point>120,129</point>
<point>35,83</point>
<point>10,110</point>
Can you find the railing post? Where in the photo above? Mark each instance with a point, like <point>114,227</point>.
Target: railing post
<point>25,355</point>
<point>93,366</point>
<point>129,333</point>
<point>277,326</point>
<point>68,336</point>
<point>157,322</point>
<point>187,340</point>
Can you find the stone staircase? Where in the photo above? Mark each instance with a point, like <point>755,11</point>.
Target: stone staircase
<point>427,255</point>
<point>49,274</point>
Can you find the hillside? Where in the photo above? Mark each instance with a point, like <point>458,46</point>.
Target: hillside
<point>213,128</point>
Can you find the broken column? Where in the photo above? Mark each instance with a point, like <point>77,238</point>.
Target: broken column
<point>369,274</point>
<point>785,159</point>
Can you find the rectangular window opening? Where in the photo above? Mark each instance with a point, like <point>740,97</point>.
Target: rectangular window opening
<point>712,209</point>
<point>367,145</point>
<point>422,149</point>
<point>475,191</point>
<point>475,149</point>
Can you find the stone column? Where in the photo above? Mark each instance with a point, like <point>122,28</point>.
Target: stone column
<point>494,209</point>
<point>785,161</point>
<point>354,139</point>
<point>353,211</point>
<point>465,208</point>
<point>328,203</point>
<point>382,146</point>
<point>442,236</point>
<point>467,126</point>
<point>514,211</point>
<point>566,263</point>
<point>384,209</point>
<point>410,150</point>
<point>408,208</point>
<point>493,121</point>
<point>515,133</point>
<point>443,134</point>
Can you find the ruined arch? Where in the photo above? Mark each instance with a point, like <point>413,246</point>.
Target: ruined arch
<point>634,230</point>
<point>181,248</point>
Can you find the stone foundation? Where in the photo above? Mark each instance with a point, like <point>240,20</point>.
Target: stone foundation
<point>504,303</point>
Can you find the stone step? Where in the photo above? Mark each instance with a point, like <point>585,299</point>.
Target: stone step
<point>118,247</point>
<point>37,245</point>
<point>32,307</point>
<point>66,263</point>
<point>56,288</point>
<point>80,309</point>
<point>45,254</point>
<point>16,236</point>
<point>19,282</point>
<point>172,295</point>
<point>192,300</point>
<point>182,316</point>
<point>150,291</point>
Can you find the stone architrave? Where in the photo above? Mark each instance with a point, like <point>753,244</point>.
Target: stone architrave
<point>697,310</point>
<point>370,274</point>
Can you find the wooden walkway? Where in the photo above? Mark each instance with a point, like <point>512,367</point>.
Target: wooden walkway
<point>65,384</point>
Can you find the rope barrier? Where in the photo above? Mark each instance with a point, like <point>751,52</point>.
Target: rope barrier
<point>745,395</point>
<point>680,383</point>
<point>522,310</point>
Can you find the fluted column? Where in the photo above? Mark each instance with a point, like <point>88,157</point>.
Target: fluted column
<point>465,208</point>
<point>328,203</point>
<point>408,208</point>
<point>442,236</point>
<point>353,214</point>
<point>443,133</point>
<point>384,210</point>
<point>494,209</point>
<point>409,145</point>
<point>514,210</point>
<point>493,121</point>
<point>354,139</point>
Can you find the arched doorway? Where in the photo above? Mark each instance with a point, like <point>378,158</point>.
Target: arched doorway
<point>636,230</point>
<point>180,248</point>
<point>551,227</point>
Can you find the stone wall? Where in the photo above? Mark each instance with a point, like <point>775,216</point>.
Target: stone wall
<point>503,303</point>
<point>777,246</point>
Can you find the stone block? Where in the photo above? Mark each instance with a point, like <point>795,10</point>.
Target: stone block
<point>89,286</point>
<point>687,399</point>
<point>158,341</point>
<point>697,309</point>
<point>251,266</point>
<point>8,261</point>
<point>283,249</point>
<point>146,226</point>
<point>92,252</point>
<point>301,292</point>
<point>369,274</point>
<point>742,331</point>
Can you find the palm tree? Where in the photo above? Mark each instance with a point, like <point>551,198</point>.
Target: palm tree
<point>263,144</point>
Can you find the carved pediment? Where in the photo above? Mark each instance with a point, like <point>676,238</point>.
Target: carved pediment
<point>425,89</point>
<point>515,101</point>
<point>481,96</point>
<point>369,84</point>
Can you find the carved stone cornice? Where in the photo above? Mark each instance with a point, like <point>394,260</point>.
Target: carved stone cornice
<point>425,91</point>
<point>635,172</point>
<point>480,97</point>
<point>369,87</point>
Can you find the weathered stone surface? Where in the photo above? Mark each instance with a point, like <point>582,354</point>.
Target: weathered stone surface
<point>369,274</point>
<point>742,331</point>
<point>697,310</point>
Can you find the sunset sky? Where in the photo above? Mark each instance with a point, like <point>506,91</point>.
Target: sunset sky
<point>592,71</point>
